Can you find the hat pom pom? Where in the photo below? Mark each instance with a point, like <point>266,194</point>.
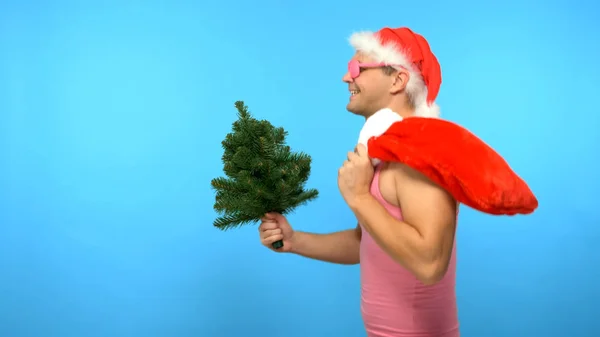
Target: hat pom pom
<point>376,125</point>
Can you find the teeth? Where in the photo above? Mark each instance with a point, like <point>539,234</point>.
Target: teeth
<point>354,92</point>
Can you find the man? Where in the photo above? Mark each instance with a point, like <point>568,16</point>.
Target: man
<point>404,240</point>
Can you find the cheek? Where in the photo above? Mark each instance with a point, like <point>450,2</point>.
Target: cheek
<point>361,85</point>
<point>365,83</point>
<point>362,79</point>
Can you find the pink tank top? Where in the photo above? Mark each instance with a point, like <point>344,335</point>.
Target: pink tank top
<point>393,302</point>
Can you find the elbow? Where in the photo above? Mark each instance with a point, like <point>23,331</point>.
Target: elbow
<point>430,280</point>
<point>431,273</point>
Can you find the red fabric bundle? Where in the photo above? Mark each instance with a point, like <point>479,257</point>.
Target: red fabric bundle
<point>457,160</point>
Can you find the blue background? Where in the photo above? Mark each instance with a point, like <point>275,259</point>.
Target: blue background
<point>111,117</point>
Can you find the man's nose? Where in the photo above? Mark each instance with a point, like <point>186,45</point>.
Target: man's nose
<point>347,78</point>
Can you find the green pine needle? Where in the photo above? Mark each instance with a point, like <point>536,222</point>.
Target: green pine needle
<point>262,173</point>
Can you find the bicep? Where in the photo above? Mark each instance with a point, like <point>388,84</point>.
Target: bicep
<point>428,208</point>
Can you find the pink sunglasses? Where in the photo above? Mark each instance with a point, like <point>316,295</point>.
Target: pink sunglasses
<point>354,67</point>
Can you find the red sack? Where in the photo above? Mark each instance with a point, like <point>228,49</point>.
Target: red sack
<point>458,161</point>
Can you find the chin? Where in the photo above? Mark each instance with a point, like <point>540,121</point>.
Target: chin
<point>359,113</point>
<point>353,109</point>
<point>355,112</point>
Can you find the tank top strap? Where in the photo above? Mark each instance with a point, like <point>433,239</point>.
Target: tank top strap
<point>375,182</point>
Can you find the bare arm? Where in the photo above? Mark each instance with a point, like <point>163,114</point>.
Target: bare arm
<point>339,247</point>
<point>423,241</point>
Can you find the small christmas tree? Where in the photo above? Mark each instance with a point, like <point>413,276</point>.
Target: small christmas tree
<point>263,175</point>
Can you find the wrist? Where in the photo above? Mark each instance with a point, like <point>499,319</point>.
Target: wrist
<point>296,242</point>
<point>359,201</point>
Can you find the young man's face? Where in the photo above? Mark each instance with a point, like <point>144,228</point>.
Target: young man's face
<point>369,92</point>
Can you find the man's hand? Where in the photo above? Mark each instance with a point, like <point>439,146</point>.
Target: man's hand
<point>275,227</point>
<point>355,175</point>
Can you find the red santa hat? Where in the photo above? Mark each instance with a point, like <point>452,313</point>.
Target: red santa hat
<point>402,48</point>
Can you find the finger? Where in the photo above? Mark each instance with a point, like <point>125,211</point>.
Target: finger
<point>270,216</point>
<point>276,217</point>
<point>266,219</point>
<point>352,156</point>
<point>361,150</point>
<point>270,232</point>
<point>268,225</point>
<point>279,217</point>
<point>271,239</point>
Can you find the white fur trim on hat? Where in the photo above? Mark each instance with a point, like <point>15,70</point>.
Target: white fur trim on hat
<point>368,43</point>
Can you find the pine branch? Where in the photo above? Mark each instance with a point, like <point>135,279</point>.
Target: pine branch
<point>262,173</point>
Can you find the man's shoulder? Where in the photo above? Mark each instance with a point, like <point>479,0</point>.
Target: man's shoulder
<point>409,180</point>
<point>417,193</point>
<point>404,172</point>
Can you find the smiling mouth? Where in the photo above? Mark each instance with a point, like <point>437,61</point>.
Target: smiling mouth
<point>354,92</point>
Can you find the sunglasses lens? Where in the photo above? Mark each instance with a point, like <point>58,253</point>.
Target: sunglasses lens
<point>353,68</point>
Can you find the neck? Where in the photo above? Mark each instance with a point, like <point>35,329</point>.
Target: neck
<point>401,110</point>
<point>404,113</point>
<point>404,110</point>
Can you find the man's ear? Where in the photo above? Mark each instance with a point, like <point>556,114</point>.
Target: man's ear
<point>400,81</point>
